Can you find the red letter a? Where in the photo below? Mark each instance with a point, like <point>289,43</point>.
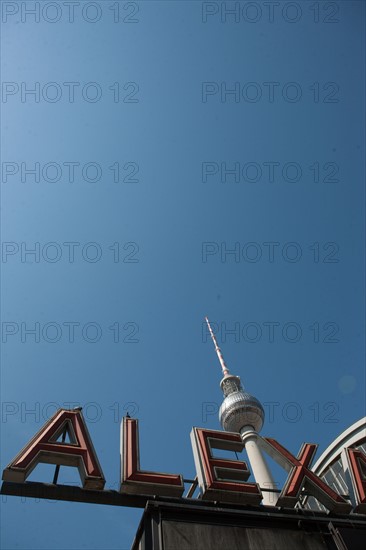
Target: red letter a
<point>44,447</point>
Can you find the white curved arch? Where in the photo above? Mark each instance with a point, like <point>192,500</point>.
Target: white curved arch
<point>353,435</point>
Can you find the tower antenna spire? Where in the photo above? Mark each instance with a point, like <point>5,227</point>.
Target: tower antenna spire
<point>224,368</point>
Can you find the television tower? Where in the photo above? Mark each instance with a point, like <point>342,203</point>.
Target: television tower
<point>241,412</point>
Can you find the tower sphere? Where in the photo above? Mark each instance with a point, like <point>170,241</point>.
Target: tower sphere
<point>239,408</point>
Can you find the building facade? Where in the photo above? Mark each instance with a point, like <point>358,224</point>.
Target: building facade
<point>332,465</point>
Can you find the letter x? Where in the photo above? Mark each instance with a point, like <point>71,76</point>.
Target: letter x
<point>301,476</point>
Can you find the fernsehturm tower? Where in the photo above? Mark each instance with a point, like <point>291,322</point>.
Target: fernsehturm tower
<point>242,413</point>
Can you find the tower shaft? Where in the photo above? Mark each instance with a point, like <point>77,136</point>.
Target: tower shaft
<point>258,463</point>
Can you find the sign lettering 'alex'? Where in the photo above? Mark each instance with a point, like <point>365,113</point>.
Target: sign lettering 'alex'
<point>219,479</point>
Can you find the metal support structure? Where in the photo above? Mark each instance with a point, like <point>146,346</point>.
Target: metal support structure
<point>192,488</point>
<point>57,469</point>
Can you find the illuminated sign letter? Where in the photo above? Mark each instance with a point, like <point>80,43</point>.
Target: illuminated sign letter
<point>300,476</point>
<point>222,479</point>
<point>357,467</point>
<point>44,447</point>
<point>135,481</point>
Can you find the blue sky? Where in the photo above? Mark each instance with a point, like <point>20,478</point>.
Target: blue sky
<point>278,97</point>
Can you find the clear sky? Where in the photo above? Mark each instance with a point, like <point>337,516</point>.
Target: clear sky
<point>138,113</point>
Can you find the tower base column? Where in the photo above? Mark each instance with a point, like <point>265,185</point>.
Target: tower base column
<point>261,472</point>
